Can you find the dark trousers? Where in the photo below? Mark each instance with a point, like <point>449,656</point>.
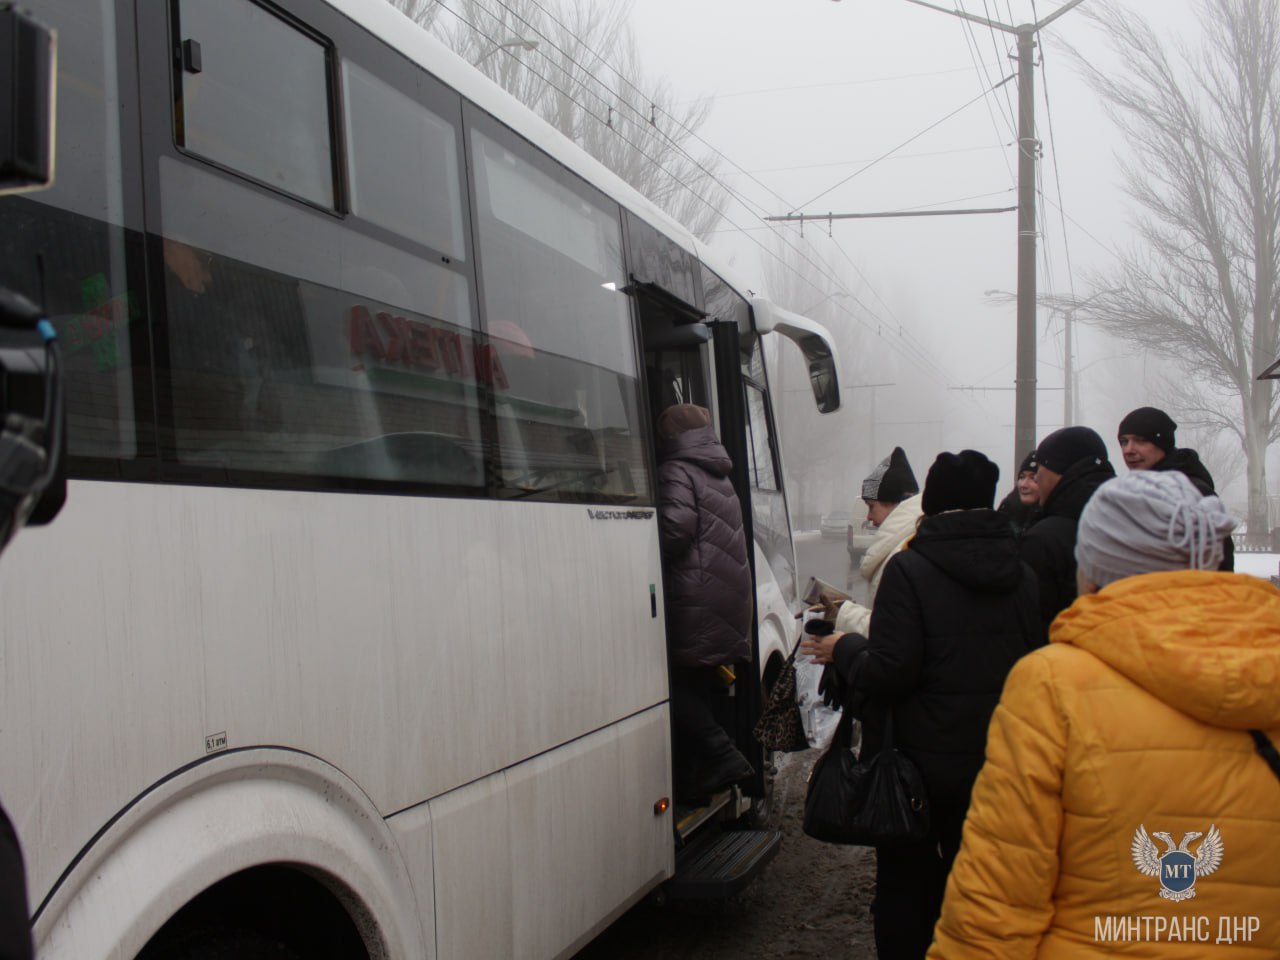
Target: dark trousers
<point>910,882</point>
<point>15,922</point>
<point>699,742</point>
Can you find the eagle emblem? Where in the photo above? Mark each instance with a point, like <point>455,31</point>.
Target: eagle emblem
<point>1176,868</point>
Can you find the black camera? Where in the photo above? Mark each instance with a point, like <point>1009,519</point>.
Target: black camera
<point>32,435</point>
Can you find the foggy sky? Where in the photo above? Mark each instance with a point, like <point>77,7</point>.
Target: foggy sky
<point>808,91</point>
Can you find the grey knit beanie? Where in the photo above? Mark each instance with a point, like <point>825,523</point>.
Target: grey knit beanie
<point>1148,521</point>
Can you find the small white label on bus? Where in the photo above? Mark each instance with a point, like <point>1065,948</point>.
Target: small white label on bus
<point>215,742</point>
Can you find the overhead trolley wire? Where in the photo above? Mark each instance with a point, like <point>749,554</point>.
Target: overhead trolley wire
<point>980,67</point>
<point>645,96</point>
<point>1053,153</point>
<point>995,46</point>
<point>911,139</point>
<point>646,118</point>
<point>917,355</point>
<point>904,156</point>
<point>838,83</point>
<point>883,329</point>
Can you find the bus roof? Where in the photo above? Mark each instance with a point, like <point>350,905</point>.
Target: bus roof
<point>394,28</point>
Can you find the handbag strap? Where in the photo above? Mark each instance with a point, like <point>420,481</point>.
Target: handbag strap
<point>842,737</point>
<point>1268,750</point>
<point>791,657</point>
<point>886,742</point>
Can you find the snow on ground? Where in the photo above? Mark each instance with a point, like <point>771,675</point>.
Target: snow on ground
<point>1265,565</point>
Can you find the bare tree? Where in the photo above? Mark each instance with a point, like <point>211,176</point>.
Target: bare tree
<point>576,64</point>
<point>421,12</point>
<point>1205,128</point>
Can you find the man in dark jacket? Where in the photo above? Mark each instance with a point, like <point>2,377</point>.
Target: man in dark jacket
<point>1146,438</point>
<point>709,595</point>
<point>954,611</point>
<point>1071,464</point>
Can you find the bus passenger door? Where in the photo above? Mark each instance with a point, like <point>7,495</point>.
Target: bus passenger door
<point>735,433</point>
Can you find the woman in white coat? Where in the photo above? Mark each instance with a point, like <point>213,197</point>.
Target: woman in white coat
<point>892,496</point>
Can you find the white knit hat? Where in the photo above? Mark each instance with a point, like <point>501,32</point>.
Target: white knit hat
<point>1146,521</point>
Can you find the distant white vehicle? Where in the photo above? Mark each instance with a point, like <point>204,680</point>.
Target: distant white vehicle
<point>860,536</point>
<point>835,526</point>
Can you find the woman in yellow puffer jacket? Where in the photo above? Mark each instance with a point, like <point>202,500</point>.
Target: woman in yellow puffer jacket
<point>1125,808</point>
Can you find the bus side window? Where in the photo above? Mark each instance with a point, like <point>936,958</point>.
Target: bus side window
<point>570,425</point>
<point>254,98</point>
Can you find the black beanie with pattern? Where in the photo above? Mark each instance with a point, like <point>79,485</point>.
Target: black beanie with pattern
<point>892,480</point>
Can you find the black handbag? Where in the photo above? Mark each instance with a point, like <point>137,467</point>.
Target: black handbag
<point>780,726</point>
<point>1267,750</point>
<point>878,802</point>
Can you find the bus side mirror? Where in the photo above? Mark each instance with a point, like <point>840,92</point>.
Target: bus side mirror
<point>28,59</point>
<point>825,383</point>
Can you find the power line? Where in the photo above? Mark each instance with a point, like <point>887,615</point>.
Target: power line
<point>588,111</point>
<point>995,46</point>
<point>980,66</point>
<point>1081,227</point>
<point>905,156</point>
<point>991,110</point>
<point>649,118</point>
<point>922,359</point>
<point>909,140</point>
<point>837,83</point>
<point>1053,152</point>
<point>976,196</point>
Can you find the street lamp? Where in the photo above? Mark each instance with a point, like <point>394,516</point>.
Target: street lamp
<point>1024,419</point>
<point>522,43</point>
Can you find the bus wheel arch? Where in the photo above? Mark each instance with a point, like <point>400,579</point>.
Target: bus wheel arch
<point>220,831</point>
<point>281,911</point>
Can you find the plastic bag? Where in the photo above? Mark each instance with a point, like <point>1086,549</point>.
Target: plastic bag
<point>818,719</point>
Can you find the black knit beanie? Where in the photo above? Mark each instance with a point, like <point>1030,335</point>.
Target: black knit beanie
<point>1062,448</point>
<point>892,480</point>
<point>960,481</point>
<point>1150,423</point>
<point>1028,464</point>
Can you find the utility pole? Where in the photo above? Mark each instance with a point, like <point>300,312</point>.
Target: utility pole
<point>1068,387</point>
<point>1024,419</point>
<point>1024,412</point>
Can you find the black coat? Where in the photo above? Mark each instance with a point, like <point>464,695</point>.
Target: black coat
<point>1049,545</point>
<point>1020,515</point>
<point>954,612</point>
<point>1186,461</point>
<point>709,591</point>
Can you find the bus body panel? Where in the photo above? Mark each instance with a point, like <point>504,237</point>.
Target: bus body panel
<point>232,812</point>
<point>453,707</point>
<point>510,851</point>
<point>415,643</point>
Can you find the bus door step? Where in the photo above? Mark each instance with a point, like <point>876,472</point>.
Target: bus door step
<point>689,820</point>
<point>721,864</point>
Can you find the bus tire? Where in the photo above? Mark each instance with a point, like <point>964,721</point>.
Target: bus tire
<point>226,945</point>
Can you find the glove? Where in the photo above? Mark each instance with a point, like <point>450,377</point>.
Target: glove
<point>831,687</point>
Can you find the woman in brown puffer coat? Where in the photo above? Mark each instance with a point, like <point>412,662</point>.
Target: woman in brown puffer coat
<point>709,595</point>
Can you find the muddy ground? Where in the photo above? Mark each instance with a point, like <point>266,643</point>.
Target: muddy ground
<point>812,901</point>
